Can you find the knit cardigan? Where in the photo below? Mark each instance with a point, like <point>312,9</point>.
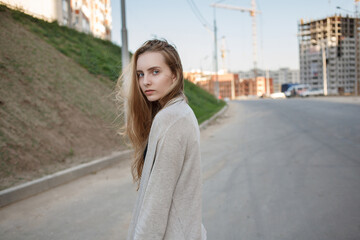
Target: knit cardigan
<point>168,204</point>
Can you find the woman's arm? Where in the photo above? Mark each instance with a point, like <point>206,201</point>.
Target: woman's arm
<point>168,162</point>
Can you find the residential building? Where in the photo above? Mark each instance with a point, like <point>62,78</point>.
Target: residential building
<point>230,86</point>
<point>206,80</point>
<point>227,84</point>
<point>279,77</point>
<point>89,16</point>
<point>252,87</point>
<point>328,50</point>
<point>284,75</point>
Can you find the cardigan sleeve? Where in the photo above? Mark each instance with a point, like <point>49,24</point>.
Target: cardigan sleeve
<point>168,162</point>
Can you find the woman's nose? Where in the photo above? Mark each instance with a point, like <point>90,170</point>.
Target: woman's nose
<point>147,80</point>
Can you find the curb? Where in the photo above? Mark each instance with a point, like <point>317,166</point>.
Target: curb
<point>36,186</point>
<point>204,124</point>
<point>22,191</point>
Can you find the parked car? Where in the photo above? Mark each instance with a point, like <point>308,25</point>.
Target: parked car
<point>277,95</point>
<point>312,92</point>
<point>285,86</point>
<point>296,90</point>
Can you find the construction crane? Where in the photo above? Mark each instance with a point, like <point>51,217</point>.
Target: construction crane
<point>253,13</point>
<point>223,51</point>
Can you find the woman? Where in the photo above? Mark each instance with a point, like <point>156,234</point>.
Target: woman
<point>165,136</point>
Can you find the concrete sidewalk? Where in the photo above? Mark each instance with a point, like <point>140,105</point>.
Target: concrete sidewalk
<point>37,186</point>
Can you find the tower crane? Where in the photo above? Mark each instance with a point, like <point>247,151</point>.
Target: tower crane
<point>223,51</point>
<point>253,13</point>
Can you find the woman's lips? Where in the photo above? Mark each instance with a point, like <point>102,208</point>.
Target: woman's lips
<point>149,92</point>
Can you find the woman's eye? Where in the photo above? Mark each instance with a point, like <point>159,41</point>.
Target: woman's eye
<point>140,75</point>
<point>156,72</point>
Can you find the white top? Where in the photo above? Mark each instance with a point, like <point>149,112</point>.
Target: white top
<point>168,204</point>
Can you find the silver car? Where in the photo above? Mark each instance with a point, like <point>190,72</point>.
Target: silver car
<point>312,92</point>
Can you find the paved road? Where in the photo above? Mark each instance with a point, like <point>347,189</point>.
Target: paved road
<point>272,169</point>
<point>285,169</point>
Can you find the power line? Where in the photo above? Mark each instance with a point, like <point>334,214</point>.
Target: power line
<point>198,15</point>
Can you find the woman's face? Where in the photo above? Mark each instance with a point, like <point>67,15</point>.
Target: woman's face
<point>154,75</point>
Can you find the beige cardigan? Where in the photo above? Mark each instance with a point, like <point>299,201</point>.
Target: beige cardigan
<point>168,204</point>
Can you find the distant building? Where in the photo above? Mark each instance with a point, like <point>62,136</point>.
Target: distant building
<point>89,16</point>
<point>250,73</point>
<point>202,79</point>
<point>336,37</point>
<point>197,76</point>
<point>230,86</point>
<point>250,87</point>
<point>227,84</point>
<point>284,75</point>
<point>281,76</point>
<point>206,80</point>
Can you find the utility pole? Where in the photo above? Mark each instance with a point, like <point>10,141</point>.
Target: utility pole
<point>124,54</point>
<point>216,59</point>
<point>69,16</point>
<point>253,17</point>
<point>253,13</point>
<point>124,39</point>
<point>357,56</point>
<point>324,67</point>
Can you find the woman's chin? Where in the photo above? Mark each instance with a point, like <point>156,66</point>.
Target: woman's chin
<point>152,98</point>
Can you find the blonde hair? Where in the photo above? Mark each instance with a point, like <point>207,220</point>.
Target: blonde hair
<point>140,112</point>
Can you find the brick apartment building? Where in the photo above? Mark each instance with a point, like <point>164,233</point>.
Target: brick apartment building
<point>250,87</point>
<point>230,86</point>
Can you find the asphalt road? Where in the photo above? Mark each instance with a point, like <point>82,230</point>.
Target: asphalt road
<point>272,169</point>
<point>286,169</point>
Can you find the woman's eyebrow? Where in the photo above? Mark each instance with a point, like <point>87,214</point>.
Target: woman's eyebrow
<point>149,69</point>
<point>152,68</point>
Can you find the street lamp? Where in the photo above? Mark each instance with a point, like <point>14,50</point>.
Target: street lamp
<point>124,53</point>
<point>124,48</point>
<point>217,92</point>
<point>340,8</point>
<point>216,58</point>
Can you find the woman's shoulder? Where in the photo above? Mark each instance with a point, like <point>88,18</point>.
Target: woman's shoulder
<point>178,114</point>
<point>172,113</point>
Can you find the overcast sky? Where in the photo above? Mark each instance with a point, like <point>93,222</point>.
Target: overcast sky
<point>176,21</point>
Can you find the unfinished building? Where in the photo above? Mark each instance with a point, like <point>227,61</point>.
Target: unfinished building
<point>329,54</point>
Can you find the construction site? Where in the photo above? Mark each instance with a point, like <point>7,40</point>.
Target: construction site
<point>329,54</point>
<point>225,85</point>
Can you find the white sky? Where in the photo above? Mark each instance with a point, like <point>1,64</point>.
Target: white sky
<point>175,21</point>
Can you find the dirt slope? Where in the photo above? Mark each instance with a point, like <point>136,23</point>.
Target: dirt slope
<point>53,113</point>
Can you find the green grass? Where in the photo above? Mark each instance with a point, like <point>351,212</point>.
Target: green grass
<point>99,57</point>
<point>203,103</point>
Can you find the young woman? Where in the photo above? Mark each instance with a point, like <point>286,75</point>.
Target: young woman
<point>165,136</point>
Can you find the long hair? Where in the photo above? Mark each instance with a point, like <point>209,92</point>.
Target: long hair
<point>140,112</point>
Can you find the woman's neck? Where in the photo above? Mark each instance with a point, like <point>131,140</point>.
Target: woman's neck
<point>165,101</point>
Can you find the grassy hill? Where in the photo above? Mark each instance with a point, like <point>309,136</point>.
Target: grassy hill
<point>99,57</point>
<point>202,103</point>
<point>56,104</point>
<point>53,113</point>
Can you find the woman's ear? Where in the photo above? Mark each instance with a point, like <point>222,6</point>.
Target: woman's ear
<point>173,78</point>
